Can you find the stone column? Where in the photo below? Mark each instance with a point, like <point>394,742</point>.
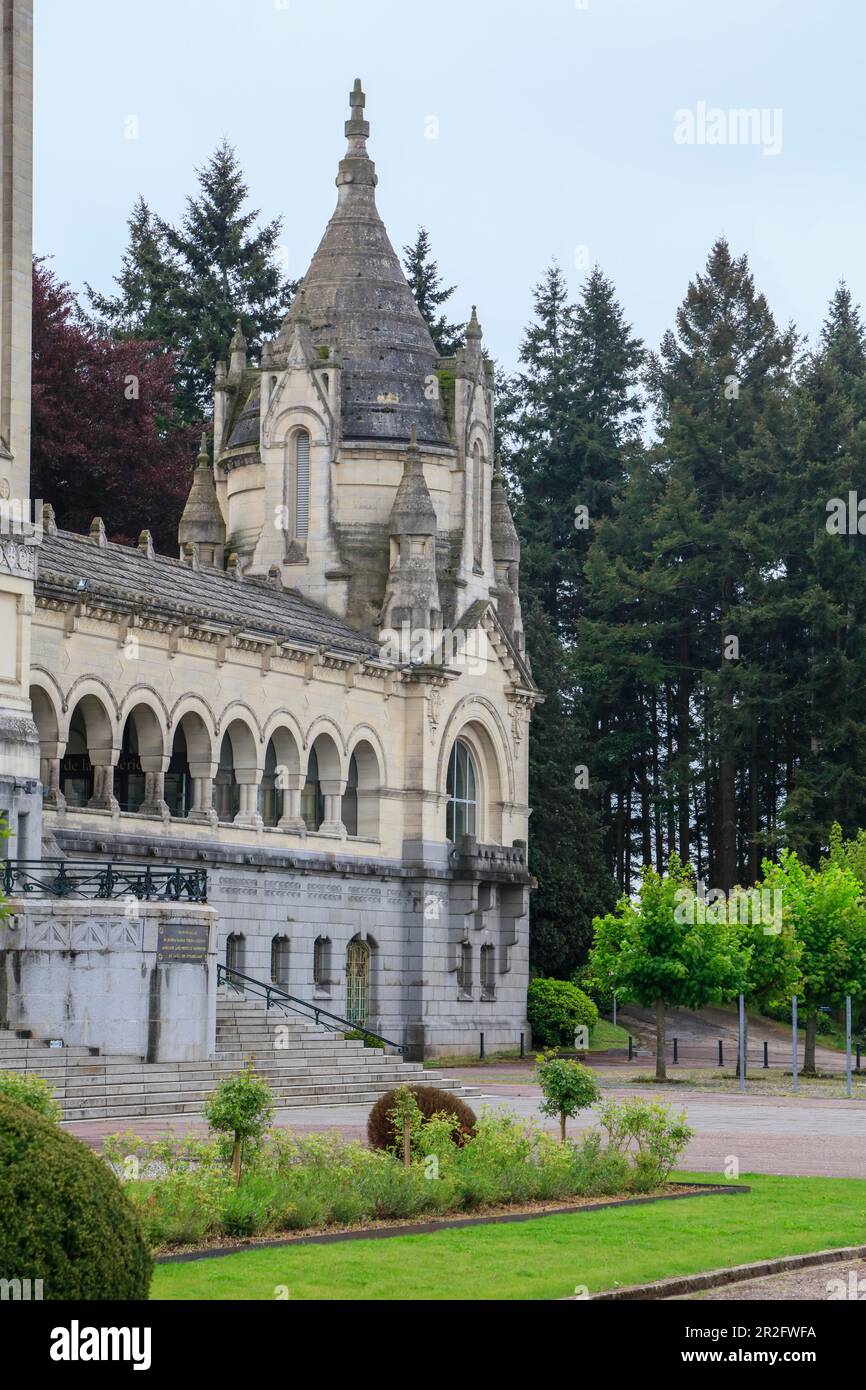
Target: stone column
<point>103,762</point>
<point>49,775</point>
<point>291,820</point>
<point>154,766</point>
<point>332,790</point>
<point>248,816</point>
<point>202,812</point>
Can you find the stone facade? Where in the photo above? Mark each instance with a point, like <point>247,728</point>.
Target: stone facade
<point>19,748</point>
<point>324,701</point>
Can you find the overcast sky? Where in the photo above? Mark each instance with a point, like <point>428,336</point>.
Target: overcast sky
<point>559,132</point>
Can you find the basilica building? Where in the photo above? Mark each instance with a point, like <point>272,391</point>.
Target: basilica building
<point>323,701</point>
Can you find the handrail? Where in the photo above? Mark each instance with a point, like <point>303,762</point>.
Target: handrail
<point>227,975</point>
<point>89,878</point>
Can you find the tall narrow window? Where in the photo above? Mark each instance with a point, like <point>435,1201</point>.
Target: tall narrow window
<point>280,960</point>
<point>462,788</point>
<point>322,964</point>
<point>488,975</point>
<point>464,970</point>
<point>478,505</point>
<point>350,798</point>
<point>302,484</point>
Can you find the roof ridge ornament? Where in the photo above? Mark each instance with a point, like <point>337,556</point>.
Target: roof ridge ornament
<point>357,127</point>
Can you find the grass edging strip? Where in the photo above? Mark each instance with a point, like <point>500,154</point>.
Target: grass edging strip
<point>718,1278</point>
<point>426,1228</point>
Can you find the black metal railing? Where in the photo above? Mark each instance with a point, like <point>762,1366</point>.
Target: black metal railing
<point>278,998</point>
<point>82,878</point>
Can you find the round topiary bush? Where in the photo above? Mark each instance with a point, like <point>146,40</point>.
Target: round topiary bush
<point>431,1101</point>
<point>64,1217</point>
<point>556,1009</point>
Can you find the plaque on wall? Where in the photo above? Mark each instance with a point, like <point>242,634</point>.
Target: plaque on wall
<point>182,943</point>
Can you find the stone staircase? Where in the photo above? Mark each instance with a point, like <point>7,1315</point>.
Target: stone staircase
<point>304,1065</point>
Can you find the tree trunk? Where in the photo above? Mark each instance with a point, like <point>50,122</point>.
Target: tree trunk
<point>683,750</point>
<point>407,1143</point>
<point>236,1159</point>
<point>661,1069</point>
<point>809,1049</point>
<point>562,1126</point>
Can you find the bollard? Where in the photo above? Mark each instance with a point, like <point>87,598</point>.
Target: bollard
<point>630,1047</point>
<point>858,1056</point>
<point>522,1046</point>
<point>766,1055</point>
<point>481,1053</point>
<point>721,1054</point>
<point>676,1051</point>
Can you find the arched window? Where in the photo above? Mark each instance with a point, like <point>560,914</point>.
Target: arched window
<point>270,793</point>
<point>280,960</point>
<point>464,969</point>
<point>226,792</point>
<point>322,965</point>
<point>76,773</point>
<point>357,982</point>
<point>301,484</point>
<point>350,798</point>
<point>488,973</point>
<point>462,784</point>
<point>312,797</point>
<point>235,952</point>
<point>128,775</point>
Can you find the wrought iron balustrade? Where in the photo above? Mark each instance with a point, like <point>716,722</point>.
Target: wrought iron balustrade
<point>83,878</point>
<point>276,997</point>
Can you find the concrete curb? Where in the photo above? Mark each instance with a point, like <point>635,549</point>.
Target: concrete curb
<point>717,1278</point>
<point>426,1228</point>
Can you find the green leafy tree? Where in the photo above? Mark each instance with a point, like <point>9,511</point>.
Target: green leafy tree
<point>566,1088</point>
<point>241,1106</point>
<point>430,294</point>
<point>828,913</point>
<point>771,949</point>
<point>664,952</point>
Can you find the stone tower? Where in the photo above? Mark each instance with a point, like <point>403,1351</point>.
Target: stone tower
<point>20,519</point>
<point>352,430</point>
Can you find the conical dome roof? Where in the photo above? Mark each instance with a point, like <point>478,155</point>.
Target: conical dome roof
<point>356,299</point>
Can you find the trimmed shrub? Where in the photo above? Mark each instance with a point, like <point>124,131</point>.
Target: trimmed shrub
<point>26,1088</point>
<point>381,1133</point>
<point>556,1009</point>
<point>64,1217</point>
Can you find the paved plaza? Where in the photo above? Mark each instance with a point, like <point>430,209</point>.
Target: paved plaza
<point>802,1136</point>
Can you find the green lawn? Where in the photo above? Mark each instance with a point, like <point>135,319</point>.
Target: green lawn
<point>549,1257</point>
<point>606,1034</point>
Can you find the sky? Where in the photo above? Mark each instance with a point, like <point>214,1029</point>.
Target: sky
<point>590,131</point>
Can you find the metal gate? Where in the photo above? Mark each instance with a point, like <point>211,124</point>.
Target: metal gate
<point>357,982</point>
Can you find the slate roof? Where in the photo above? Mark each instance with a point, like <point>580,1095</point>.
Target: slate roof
<point>168,589</point>
<point>356,298</point>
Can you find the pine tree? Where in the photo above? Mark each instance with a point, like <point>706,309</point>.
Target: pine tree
<point>721,388</point>
<point>425,282</point>
<point>826,589</point>
<point>187,286</point>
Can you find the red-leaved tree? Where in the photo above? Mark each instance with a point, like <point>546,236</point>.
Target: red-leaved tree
<point>106,441</point>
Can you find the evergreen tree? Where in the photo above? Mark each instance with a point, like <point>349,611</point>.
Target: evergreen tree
<point>721,388</point>
<point>826,588</point>
<point>425,282</point>
<point>567,421</point>
<point>188,285</point>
